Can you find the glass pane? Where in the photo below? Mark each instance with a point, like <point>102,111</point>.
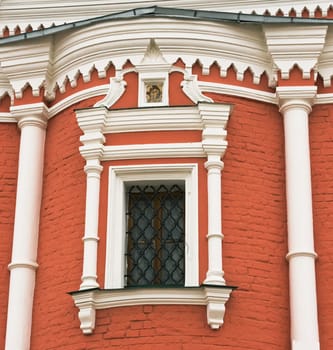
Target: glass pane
<point>155,249</point>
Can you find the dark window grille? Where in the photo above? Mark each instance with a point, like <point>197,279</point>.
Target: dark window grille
<point>155,235</point>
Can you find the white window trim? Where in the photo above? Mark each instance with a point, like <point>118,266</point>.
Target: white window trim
<point>116,226</point>
<point>211,119</point>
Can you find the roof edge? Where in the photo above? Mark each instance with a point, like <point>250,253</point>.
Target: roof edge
<point>163,12</point>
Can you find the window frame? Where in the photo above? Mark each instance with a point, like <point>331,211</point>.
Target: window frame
<point>116,218</point>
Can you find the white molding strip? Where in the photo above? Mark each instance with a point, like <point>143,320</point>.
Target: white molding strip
<point>148,151</point>
<point>7,118</point>
<point>153,119</point>
<point>214,297</point>
<point>239,91</point>
<point>98,90</point>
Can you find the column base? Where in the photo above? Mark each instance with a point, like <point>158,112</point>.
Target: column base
<point>214,278</point>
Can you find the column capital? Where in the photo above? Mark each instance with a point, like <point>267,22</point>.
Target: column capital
<point>296,97</point>
<point>214,115</point>
<point>35,114</point>
<point>92,122</point>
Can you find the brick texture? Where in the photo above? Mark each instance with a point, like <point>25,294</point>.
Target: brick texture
<point>254,247</point>
<point>321,131</point>
<point>9,148</point>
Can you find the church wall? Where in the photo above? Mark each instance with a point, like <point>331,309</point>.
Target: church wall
<point>9,136</point>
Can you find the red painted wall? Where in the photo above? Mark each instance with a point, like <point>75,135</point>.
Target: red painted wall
<point>9,147</point>
<point>254,247</point>
<point>321,135</point>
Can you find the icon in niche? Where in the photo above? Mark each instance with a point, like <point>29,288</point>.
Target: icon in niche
<point>154,92</point>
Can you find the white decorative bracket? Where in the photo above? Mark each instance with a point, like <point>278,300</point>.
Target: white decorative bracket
<point>116,90</point>
<point>191,89</point>
<point>213,297</point>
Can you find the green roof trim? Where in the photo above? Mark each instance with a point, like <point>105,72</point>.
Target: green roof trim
<point>164,12</point>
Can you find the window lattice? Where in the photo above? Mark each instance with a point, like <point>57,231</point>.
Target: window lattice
<point>155,235</point>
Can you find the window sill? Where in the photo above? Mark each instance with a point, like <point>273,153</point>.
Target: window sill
<point>90,300</point>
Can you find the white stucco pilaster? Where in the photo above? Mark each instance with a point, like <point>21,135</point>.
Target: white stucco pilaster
<point>92,125</point>
<point>32,120</point>
<point>214,118</point>
<point>295,105</point>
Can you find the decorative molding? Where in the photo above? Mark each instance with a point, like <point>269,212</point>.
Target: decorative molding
<point>95,122</point>
<point>209,117</point>
<point>35,114</point>
<point>192,90</point>
<point>153,119</point>
<point>325,63</point>
<point>116,227</point>
<point>323,99</point>
<point>306,254</point>
<point>290,45</point>
<point>296,97</point>
<point>27,64</point>
<point>217,88</point>
<point>239,91</point>
<point>29,264</point>
<point>149,151</point>
<point>92,123</point>
<point>116,89</point>
<point>98,90</point>
<point>214,119</point>
<point>85,49</point>
<point>46,13</point>
<point>7,118</point>
<point>213,297</point>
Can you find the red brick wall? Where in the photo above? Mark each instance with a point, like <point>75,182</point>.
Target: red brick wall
<point>254,248</point>
<point>61,231</point>
<point>9,148</point>
<point>321,136</point>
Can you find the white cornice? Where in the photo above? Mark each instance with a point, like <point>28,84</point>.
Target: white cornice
<point>148,151</point>
<point>325,64</point>
<point>211,118</point>
<point>152,119</point>
<point>7,118</point>
<point>18,12</point>
<point>24,64</point>
<point>82,50</point>
<point>239,91</point>
<point>323,99</point>
<point>290,45</point>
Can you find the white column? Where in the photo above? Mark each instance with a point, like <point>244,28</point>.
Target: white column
<point>92,122</point>
<point>295,106</point>
<point>32,121</point>
<point>214,118</point>
<point>89,275</point>
<point>215,272</point>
